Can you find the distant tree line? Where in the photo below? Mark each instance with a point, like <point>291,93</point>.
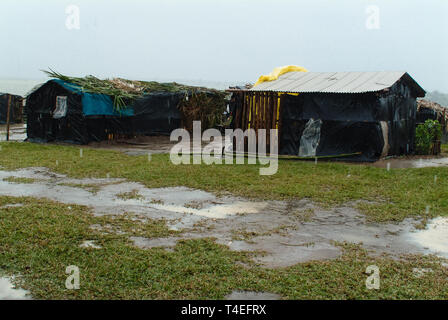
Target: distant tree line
<point>439,97</point>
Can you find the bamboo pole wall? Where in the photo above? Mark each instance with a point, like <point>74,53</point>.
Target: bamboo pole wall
<point>258,110</point>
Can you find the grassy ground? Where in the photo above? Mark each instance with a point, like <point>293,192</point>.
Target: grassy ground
<point>445,148</point>
<point>41,238</point>
<point>392,195</point>
<point>20,180</point>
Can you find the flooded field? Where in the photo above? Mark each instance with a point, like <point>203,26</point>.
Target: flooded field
<point>282,233</point>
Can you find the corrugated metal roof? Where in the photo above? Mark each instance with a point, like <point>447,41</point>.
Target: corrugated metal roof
<point>334,82</point>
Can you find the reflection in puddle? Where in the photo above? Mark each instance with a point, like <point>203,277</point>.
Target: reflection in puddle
<point>9,292</point>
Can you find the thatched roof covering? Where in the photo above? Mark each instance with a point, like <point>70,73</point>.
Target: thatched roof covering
<point>124,91</point>
<point>426,104</point>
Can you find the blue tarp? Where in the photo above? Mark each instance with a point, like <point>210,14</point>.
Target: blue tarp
<point>94,104</point>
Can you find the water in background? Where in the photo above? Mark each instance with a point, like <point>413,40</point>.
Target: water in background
<point>19,87</point>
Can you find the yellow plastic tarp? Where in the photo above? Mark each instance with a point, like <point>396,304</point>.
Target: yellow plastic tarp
<point>277,72</point>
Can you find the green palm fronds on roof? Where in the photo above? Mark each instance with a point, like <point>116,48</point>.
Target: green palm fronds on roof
<point>200,103</point>
<point>124,91</point>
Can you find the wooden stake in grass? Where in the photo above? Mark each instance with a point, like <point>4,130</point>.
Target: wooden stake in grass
<point>80,153</point>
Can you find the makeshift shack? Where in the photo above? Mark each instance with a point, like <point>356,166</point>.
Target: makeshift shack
<point>359,116</point>
<point>81,110</point>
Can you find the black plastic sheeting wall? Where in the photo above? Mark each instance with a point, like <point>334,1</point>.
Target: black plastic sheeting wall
<point>153,114</point>
<point>15,115</point>
<point>426,114</point>
<point>351,123</point>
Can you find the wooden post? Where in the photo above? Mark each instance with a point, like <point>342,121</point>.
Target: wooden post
<point>249,111</point>
<point>239,111</point>
<point>274,111</point>
<point>257,111</point>
<point>279,120</point>
<point>7,117</point>
<point>265,111</point>
<point>244,114</point>
<point>270,103</point>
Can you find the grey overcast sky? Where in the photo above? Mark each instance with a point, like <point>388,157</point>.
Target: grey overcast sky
<point>232,40</point>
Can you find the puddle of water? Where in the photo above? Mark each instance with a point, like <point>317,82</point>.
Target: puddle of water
<point>434,237</point>
<point>252,295</point>
<point>421,272</point>
<point>12,205</point>
<point>38,173</point>
<point>174,200</point>
<point>9,292</point>
<point>145,243</point>
<point>411,163</point>
<point>312,240</point>
<point>219,211</point>
<point>302,241</point>
<point>89,244</point>
<point>283,252</point>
